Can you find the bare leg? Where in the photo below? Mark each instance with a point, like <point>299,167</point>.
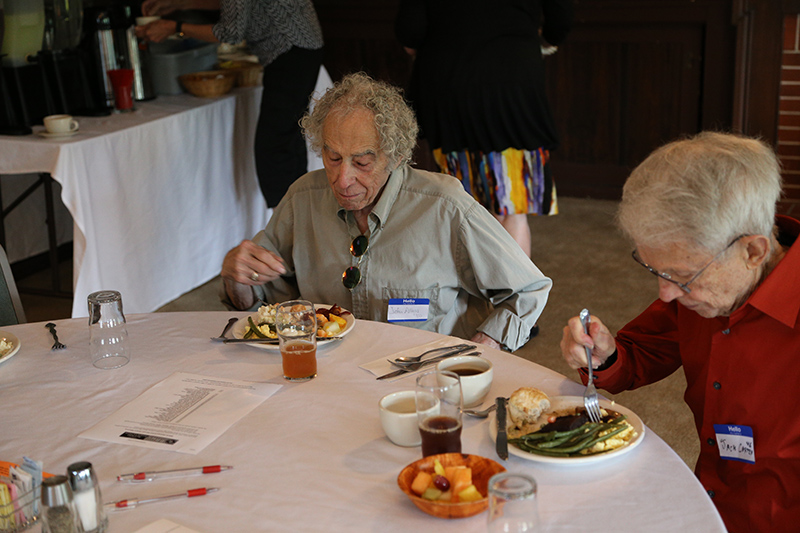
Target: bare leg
<point>517,226</point>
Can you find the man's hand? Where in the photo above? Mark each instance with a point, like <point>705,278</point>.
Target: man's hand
<point>483,338</point>
<point>161,7</point>
<point>245,266</point>
<point>574,340</point>
<point>156,31</point>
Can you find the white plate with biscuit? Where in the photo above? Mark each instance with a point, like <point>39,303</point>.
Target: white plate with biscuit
<point>560,403</point>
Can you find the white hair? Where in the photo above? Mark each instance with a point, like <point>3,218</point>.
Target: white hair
<point>704,191</point>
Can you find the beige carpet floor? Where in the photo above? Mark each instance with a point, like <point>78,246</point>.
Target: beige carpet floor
<point>590,264</point>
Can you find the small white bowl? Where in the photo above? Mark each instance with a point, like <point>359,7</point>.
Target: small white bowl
<point>399,418</point>
<point>476,375</point>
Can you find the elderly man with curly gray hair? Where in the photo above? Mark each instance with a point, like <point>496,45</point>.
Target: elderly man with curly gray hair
<point>701,214</point>
<point>384,240</point>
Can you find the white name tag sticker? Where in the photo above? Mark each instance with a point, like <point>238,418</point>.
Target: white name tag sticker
<point>408,309</point>
<point>735,442</point>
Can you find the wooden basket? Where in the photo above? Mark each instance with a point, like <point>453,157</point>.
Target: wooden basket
<point>209,83</point>
<point>248,74</point>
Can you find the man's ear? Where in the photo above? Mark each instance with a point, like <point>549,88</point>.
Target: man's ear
<point>758,248</point>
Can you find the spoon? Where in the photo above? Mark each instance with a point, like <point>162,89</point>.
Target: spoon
<point>407,360</point>
<point>483,413</point>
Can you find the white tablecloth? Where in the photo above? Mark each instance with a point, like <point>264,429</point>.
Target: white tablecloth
<point>313,457</point>
<point>157,196</point>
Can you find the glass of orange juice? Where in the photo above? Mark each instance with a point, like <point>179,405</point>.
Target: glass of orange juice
<point>296,325</point>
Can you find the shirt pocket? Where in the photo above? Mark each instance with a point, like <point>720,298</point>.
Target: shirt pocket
<point>430,293</point>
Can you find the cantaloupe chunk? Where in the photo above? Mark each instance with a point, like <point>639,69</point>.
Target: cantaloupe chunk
<point>339,320</point>
<point>450,472</point>
<point>470,494</point>
<point>462,480</point>
<point>421,482</point>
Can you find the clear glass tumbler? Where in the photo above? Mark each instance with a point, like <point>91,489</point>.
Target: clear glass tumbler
<point>438,401</point>
<point>296,325</point>
<point>108,334</point>
<point>513,507</point>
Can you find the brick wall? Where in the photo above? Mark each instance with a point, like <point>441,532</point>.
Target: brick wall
<point>789,117</point>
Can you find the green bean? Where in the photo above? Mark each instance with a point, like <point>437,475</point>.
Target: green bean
<point>254,328</point>
<point>571,442</point>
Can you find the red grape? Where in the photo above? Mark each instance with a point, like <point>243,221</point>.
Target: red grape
<point>441,483</point>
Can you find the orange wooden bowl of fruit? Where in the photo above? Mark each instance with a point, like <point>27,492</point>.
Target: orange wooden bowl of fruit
<point>450,485</point>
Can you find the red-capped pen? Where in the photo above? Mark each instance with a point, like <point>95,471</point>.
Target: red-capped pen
<point>150,476</point>
<point>130,504</point>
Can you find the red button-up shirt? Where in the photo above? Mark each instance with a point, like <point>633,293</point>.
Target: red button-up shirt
<point>743,370</point>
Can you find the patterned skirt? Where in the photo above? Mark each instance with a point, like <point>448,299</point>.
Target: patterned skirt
<point>510,182</point>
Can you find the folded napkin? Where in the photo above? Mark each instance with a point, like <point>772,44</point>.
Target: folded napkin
<point>382,366</point>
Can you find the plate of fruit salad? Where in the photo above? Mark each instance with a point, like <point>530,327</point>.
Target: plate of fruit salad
<point>332,322</point>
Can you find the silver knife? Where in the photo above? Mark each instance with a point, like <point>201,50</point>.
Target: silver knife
<point>425,363</point>
<point>502,439</point>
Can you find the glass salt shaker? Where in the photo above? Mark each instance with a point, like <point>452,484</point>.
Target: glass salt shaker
<point>108,334</point>
<point>58,508</point>
<point>87,498</point>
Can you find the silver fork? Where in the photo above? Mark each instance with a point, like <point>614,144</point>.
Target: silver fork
<point>228,326</point>
<point>57,345</point>
<point>590,401</point>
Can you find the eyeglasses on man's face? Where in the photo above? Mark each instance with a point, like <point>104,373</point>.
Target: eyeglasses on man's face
<point>683,286</point>
<point>351,277</point>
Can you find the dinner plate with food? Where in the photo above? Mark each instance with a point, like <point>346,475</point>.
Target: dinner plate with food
<point>333,322</point>
<point>9,346</point>
<point>557,430</point>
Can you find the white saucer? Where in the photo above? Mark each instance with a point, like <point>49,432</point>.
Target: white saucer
<point>49,135</point>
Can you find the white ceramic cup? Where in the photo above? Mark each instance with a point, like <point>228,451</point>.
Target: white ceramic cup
<point>475,374</point>
<point>144,21</point>
<point>60,124</point>
<point>399,418</point>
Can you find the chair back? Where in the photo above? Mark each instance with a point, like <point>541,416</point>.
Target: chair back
<point>11,311</point>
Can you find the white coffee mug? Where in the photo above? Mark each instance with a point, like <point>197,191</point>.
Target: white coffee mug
<point>475,374</point>
<point>144,21</point>
<point>399,418</point>
<point>60,124</point>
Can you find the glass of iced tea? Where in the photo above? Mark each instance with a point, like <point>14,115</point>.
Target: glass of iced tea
<point>296,325</point>
<point>438,402</point>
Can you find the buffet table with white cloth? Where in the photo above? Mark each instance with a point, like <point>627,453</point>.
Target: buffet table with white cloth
<point>157,196</point>
<point>313,456</point>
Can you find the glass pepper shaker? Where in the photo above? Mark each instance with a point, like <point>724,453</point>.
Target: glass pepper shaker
<point>58,509</point>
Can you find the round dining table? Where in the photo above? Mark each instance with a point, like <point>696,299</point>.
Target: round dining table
<point>313,456</point>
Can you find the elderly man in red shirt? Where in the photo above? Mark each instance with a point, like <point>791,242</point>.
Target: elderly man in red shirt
<point>701,214</point>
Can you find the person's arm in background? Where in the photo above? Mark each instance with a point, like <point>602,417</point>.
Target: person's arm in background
<point>159,30</point>
<point>165,7</point>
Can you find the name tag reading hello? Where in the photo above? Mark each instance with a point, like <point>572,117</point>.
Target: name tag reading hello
<point>735,442</point>
<point>408,309</point>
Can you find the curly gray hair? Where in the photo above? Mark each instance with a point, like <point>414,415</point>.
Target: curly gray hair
<point>705,191</point>
<point>394,120</point>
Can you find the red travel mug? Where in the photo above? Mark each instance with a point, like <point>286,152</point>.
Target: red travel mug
<point>122,82</point>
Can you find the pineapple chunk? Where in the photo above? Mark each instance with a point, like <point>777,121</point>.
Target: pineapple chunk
<point>339,320</point>
<point>421,483</point>
<point>431,493</point>
<point>470,494</point>
<point>438,468</point>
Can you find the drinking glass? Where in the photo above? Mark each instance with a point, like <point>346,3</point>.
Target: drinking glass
<point>122,83</point>
<point>438,402</point>
<point>296,325</point>
<point>513,507</point>
<point>108,334</point>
